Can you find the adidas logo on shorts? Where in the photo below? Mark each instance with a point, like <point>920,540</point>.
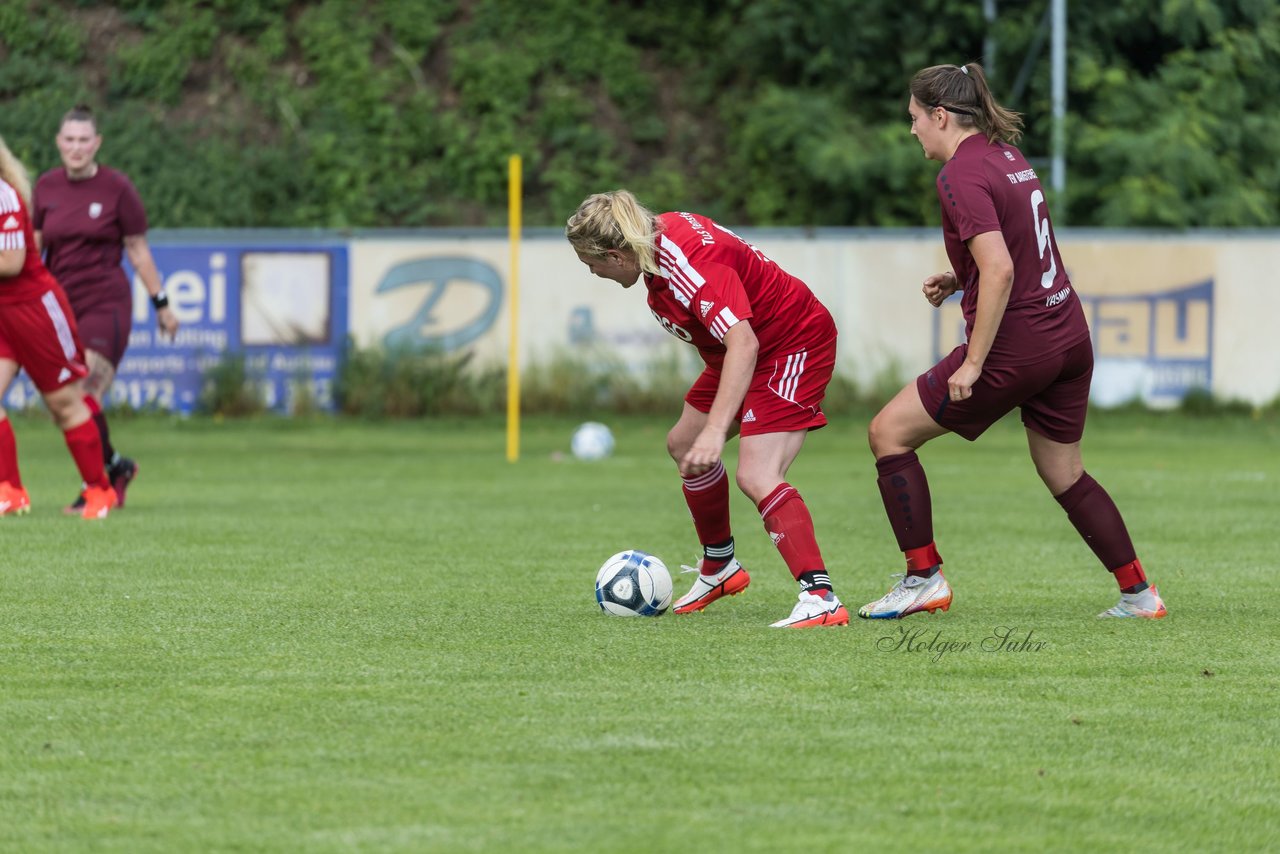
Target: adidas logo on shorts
<point>749,416</point>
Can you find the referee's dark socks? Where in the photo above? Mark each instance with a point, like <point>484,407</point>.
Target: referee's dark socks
<point>815,581</point>
<point>716,555</point>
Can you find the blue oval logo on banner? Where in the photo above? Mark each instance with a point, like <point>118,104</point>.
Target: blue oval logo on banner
<point>439,275</point>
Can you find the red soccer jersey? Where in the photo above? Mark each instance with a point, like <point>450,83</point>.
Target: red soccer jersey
<point>33,281</point>
<point>989,186</point>
<point>83,225</point>
<point>710,279</point>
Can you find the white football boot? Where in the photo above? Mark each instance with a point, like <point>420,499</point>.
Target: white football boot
<point>908,596</point>
<point>731,580</point>
<point>1146,603</point>
<point>815,609</point>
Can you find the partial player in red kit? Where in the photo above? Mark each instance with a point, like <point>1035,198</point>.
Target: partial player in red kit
<point>38,333</point>
<point>86,217</point>
<point>769,348</point>
<point>1028,346</point>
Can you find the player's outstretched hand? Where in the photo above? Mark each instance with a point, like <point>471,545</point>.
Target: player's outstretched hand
<point>939,286</point>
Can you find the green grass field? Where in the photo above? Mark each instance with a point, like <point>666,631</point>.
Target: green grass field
<point>330,636</point>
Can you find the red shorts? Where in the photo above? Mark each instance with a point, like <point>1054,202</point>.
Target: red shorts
<point>104,328</point>
<point>40,335</point>
<point>1053,394</point>
<point>784,395</point>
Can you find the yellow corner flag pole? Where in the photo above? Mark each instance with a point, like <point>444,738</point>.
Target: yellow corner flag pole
<point>513,353</point>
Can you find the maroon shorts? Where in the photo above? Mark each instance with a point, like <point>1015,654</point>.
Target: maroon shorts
<point>104,329</point>
<point>784,395</point>
<point>40,335</point>
<point>1053,394</point>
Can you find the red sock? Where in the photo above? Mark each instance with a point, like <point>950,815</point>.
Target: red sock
<point>1098,521</point>
<point>707,495</point>
<point>85,445</point>
<point>788,522</point>
<point>100,420</point>
<point>9,455</point>
<point>922,560</point>
<point>1129,575</point>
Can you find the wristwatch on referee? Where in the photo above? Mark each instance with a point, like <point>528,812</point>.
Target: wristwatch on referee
<point>160,299</point>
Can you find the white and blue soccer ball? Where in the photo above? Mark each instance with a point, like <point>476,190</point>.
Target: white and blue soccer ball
<point>592,441</point>
<point>633,584</point>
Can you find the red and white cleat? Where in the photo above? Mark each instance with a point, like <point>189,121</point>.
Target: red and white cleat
<point>815,609</point>
<point>13,500</point>
<point>731,580</point>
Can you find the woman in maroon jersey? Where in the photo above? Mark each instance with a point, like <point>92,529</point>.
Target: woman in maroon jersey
<point>86,216</point>
<point>38,334</point>
<point>1027,345</point>
<point>769,347</point>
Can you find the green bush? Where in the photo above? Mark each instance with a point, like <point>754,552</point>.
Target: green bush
<point>229,389</point>
<point>1201,401</point>
<point>382,113</point>
<point>377,383</point>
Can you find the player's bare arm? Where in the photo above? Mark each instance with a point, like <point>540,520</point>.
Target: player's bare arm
<point>11,261</point>
<point>139,252</point>
<point>995,281</point>
<point>939,286</point>
<point>741,347</point>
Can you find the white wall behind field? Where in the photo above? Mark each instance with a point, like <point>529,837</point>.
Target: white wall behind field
<point>1168,313</point>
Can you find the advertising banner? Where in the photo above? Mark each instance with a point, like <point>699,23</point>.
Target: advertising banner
<point>1168,313</point>
<point>282,307</point>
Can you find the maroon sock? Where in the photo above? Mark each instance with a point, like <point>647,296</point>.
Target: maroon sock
<point>1099,523</point>
<point>86,449</point>
<point>905,492</point>
<point>788,522</point>
<point>707,495</point>
<point>104,433</point>
<point>9,455</point>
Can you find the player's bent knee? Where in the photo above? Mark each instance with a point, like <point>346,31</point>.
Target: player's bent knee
<point>880,437</point>
<point>757,485</point>
<point>67,408</point>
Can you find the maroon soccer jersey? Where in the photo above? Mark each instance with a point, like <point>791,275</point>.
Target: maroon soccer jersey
<point>710,279</point>
<point>83,225</point>
<point>33,280</point>
<point>989,186</point>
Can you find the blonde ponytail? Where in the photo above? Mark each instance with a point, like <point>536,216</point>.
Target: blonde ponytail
<point>14,173</point>
<point>614,220</point>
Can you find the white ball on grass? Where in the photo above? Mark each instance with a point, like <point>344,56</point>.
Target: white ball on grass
<point>633,584</point>
<point>592,441</point>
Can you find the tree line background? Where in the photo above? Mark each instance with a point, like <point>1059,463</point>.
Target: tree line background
<point>402,113</point>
